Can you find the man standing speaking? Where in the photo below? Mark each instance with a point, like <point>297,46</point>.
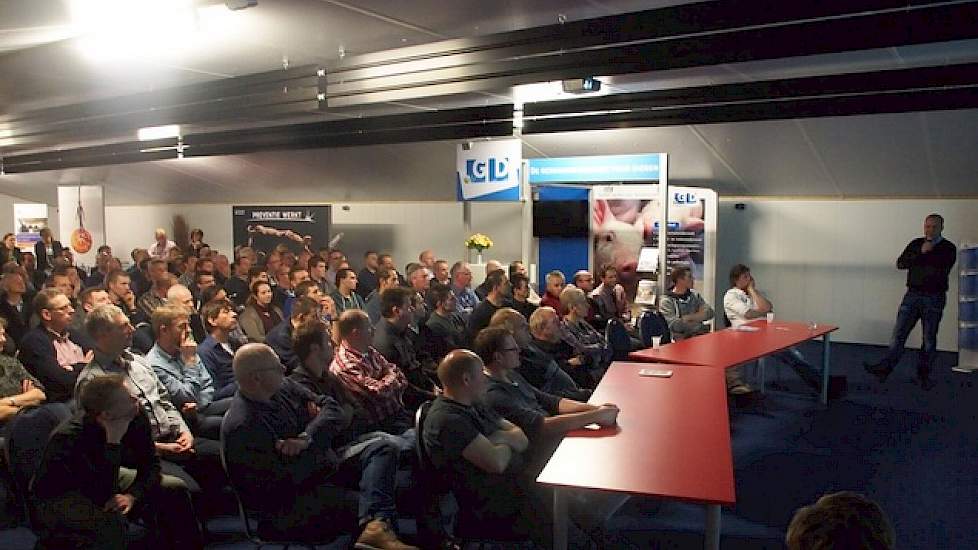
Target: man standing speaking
<point>928,260</point>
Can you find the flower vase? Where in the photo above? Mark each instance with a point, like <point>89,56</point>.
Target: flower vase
<point>478,258</point>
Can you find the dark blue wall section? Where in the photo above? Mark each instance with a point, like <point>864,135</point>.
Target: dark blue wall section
<point>564,254</point>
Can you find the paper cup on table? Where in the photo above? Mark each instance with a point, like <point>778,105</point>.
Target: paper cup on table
<point>655,341</point>
<point>770,317</point>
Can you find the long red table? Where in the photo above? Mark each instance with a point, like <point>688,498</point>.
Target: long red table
<point>730,347</point>
<point>672,441</point>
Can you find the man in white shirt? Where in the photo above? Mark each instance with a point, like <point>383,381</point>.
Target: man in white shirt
<point>744,303</point>
<point>161,246</point>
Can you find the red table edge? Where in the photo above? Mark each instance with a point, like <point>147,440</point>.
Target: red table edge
<point>635,356</point>
<point>692,500</point>
<point>591,433</point>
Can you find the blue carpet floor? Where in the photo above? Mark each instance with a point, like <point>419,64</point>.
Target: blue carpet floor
<point>914,451</point>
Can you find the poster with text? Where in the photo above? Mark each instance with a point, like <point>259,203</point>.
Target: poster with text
<point>265,227</point>
<point>625,228</point>
<point>29,220</point>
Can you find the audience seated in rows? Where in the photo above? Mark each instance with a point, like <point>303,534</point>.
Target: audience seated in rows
<point>289,449</point>
<point>520,290</point>
<point>551,297</point>
<point>18,388</point>
<point>536,365</point>
<point>610,301</point>
<point>237,286</point>
<point>377,384</point>
<point>305,310</point>
<point>395,340</point>
<point>259,315</point>
<point>176,363</point>
<point>482,290</point>
<point>51,351</point>
<point>445,326</point>
<point>495,299</point>
<point>16,308</point>
<point>386,278</point>
<point>479,454</point>
<point>586,341</point>
<point>100,467</point>
<point>345,295</point>
<point>156,295</point>
<point>121,295</point>
<point>191,460</point>
<point>217,351</point>
<point>465,298</point>
<point>548,337</point>
<point>367,279</point>
<point>542,416</point>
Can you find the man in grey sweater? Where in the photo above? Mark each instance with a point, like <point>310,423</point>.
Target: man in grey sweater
<point>687,314</point>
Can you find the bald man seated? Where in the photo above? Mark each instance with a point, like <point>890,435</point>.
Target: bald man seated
<point>289,452</point>
<point>479,454</point>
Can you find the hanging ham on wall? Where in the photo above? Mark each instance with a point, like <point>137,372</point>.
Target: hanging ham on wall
<point>81,239</point>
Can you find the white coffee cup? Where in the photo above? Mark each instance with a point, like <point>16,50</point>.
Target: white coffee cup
<point>770,317</point>
<point>656,340</point>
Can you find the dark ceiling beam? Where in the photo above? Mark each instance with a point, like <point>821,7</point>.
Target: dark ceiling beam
<point>890,24</point>
<point>927,89</point>
<point>686,19</point>
<point>468,123</point>
<point>965,74</point>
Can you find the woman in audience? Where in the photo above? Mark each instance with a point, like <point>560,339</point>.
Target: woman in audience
<point>260,314</point>
<point>8,250</point>
<point>15,308</point>
<point>576,331</point>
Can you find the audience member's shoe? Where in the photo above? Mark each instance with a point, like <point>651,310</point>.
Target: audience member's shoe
<point>740,389</point>
<point>378,535</point>
<point>878,370</point>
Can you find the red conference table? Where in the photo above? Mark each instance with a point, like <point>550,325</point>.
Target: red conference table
<point>672,441</point>
<point>730,347</point>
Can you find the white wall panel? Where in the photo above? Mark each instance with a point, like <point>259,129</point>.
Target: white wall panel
<point>834,261</point>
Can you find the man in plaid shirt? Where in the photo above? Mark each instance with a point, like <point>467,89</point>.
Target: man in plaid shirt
<point>376,383</point>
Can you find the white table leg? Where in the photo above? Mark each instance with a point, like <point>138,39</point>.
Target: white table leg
<point>712,538</point>
<point>560,519</point>
<point>825,369</point>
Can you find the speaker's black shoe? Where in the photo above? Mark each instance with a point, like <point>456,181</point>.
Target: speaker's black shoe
<point>878,370</point>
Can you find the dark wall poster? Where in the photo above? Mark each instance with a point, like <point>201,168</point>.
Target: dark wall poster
<point>265,227</point>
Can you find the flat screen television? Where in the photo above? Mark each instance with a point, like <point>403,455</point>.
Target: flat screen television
<point>560,219</point>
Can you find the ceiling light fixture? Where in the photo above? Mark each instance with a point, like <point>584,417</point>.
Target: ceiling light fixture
<point>158,132</point>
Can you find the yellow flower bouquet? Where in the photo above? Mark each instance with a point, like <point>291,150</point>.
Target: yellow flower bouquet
<point>478,242</point>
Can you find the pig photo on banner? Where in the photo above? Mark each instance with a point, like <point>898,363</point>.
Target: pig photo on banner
<point>621,225</point>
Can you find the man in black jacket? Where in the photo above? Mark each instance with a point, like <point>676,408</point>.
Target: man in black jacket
<point>394,339</point>
<point>928,261</point>
<point>287,448</point>
<point>51,351</point>
<point>83,486</point>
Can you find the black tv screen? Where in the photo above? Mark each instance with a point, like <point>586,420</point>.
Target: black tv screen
<point>560,219</point>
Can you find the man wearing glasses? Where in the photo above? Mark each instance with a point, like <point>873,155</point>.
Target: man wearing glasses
<point>51,351</point>
<point>289,450</point>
